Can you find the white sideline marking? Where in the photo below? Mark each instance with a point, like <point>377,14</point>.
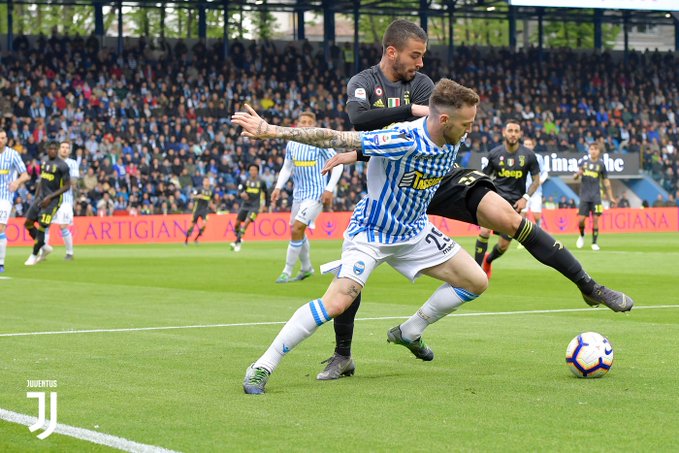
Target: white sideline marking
<point>5,278</point>
<point>270,323</point>
<point>85,434</point>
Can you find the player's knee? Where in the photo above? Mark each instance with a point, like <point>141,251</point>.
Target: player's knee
<point>298,230</point>
<point>478,282</point>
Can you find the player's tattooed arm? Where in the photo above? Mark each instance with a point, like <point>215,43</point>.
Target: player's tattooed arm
<point>255,127</point>
<point>316,136</point>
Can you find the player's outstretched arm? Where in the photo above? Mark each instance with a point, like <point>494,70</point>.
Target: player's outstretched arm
<point>255,127</point>
<point>340,159</point>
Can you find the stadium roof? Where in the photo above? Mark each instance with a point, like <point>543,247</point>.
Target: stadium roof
<point>461,8</point>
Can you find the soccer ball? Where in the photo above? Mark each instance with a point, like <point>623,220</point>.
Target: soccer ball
<point>589,355</point>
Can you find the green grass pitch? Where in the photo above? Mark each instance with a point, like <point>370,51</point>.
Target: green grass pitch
<point>499,381</point>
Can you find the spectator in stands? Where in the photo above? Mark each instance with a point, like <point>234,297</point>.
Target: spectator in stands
<point>659,201</point>
<point>105,206</point>
<point>623,202</point>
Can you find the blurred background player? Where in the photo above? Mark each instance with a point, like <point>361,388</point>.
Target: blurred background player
<point>593,173</point>
<point>535,203</point>
<point>311,191</point>
<point>509,163</point>
<point>64,216</point>
<point>201,209</point>
<point>254,194</point>
<point>12,175</point>
<point>55,180</point>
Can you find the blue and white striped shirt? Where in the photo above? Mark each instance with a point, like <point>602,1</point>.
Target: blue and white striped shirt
<point>11,166</point>
<point>75,174</point>
<point>405,170</point>
<point>307,162</point>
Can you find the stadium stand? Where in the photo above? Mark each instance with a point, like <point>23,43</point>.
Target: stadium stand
<point>148,124</point>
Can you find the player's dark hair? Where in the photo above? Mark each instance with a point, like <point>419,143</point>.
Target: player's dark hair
<point>253,165</point>
<point>53,143</point>
<point>449,94</point>
<point>399,32</point>
<point>512,121</point>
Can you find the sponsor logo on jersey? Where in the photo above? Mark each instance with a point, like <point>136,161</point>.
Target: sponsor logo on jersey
<point>378,104</point>
<point>393,102</point>
<point>305,163</point>
<point>4,172</point>
<point>590,173</point>
<point>504,173</point>
<point>379,91</point>
<point>47,176</point>
<point>416,180</point>
<point>360,93</point>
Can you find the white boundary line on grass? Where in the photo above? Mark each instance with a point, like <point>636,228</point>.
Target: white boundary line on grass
<point>269,323</point>
<point>86,434</point>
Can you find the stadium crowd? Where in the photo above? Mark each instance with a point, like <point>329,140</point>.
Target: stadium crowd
<point>149,124</point>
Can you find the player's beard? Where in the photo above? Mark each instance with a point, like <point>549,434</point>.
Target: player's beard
<point>402,72</point>
<point>511,143</point>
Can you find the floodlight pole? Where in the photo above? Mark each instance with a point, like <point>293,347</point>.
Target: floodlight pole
<point>202,23</point>
<point>424,16</point>
<point>120,28</point>
<point>10,25</point>
<point>598,37</point>
<point>301,34</point>
<point>357,49</point>
<point>225,34</point>
<point>451,30</point>
<point>512,27</point>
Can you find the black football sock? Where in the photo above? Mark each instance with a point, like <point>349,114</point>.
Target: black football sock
<point>344,328</point>
<point>495,254</point>
<point>39,241</point>
<point>32,232</point>
<point>552,253</point>
<point>480,249</point>
<point>581,227</point>
<point>595,235</point>
<point>200,233</point>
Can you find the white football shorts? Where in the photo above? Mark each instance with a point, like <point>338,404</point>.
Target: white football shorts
<point>5,211</point>
<point>306,211</point>
<point>535,203</point>
<point>64,215</point>
<point>360,257</point>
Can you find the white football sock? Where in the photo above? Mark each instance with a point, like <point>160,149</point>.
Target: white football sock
<point>3,247</point>
<point>305,255</point>
<point>68,240</point>
<point>294,249</point>
<point>301,326</point>
<point>445,300</point>
<point>47,236</point>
